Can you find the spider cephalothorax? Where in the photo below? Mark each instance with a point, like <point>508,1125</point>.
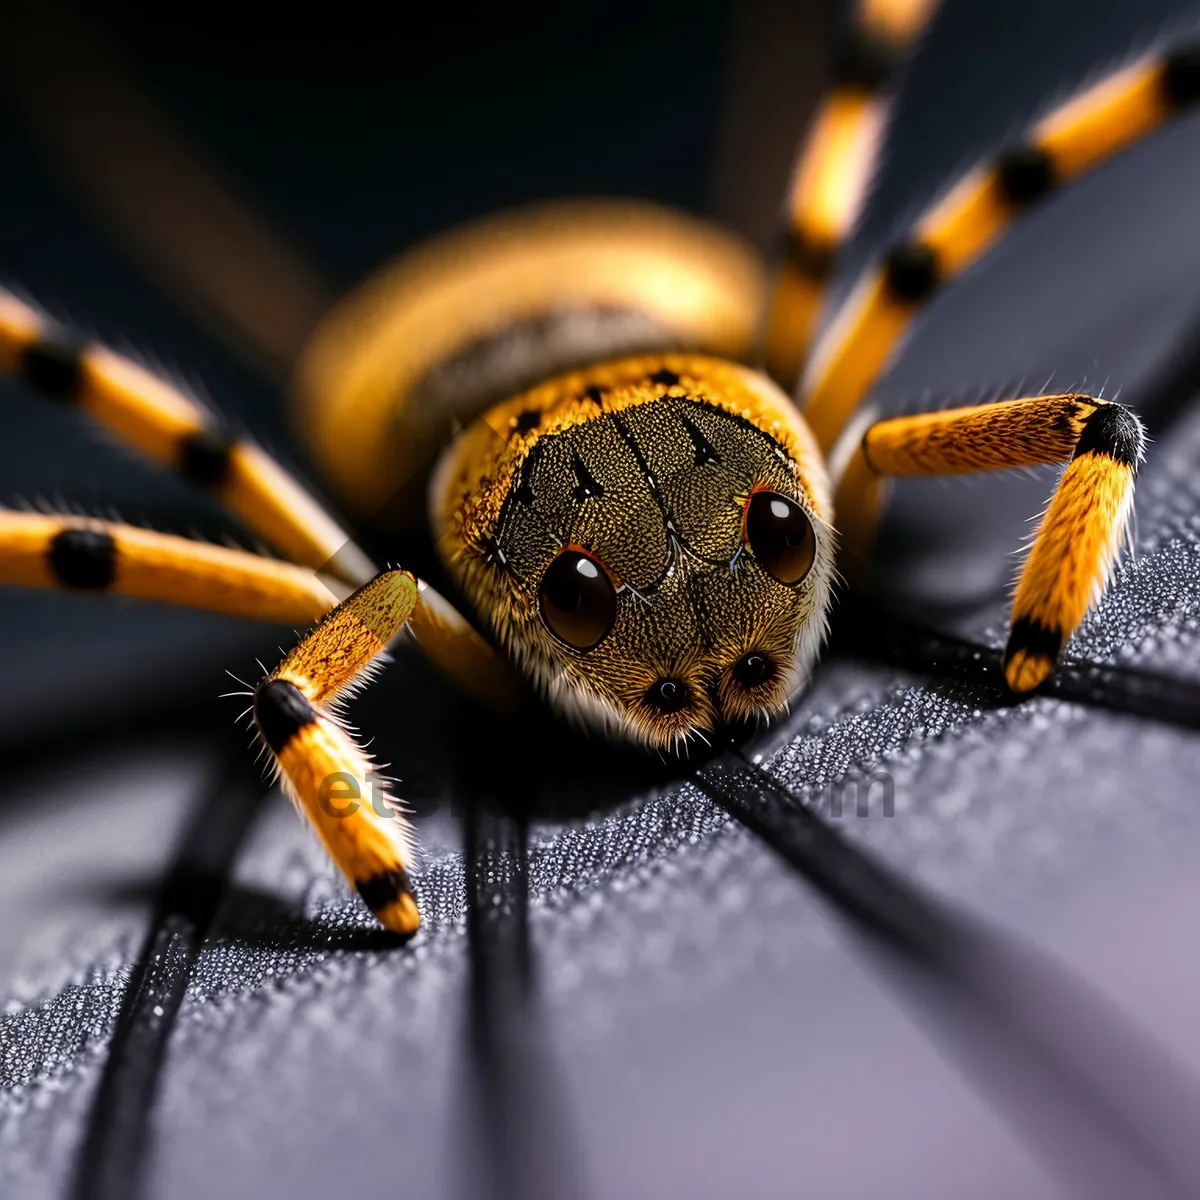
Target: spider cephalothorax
<point>649,540</point>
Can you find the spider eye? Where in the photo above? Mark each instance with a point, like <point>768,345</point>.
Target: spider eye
<point>754,669</point>
<point>669,696</point>
<point>781,536</point>
<point>577,600</point>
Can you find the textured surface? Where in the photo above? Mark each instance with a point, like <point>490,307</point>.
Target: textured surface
<point>705,1025</point>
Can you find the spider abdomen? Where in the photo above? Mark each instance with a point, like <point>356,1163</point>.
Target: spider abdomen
<point>485,312</point>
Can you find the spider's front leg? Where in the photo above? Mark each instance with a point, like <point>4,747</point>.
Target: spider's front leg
<point>1076,543</point>
<point>323,769</point>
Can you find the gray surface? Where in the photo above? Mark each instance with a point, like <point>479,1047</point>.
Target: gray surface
<point>715,1031</point>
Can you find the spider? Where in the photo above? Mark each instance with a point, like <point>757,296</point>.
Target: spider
<point>587,408</point>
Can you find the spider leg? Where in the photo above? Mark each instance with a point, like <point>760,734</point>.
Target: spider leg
<point>157,419</point>
<point>79,553</point>
<point>834,170</point>
<point>1077,540</point>
<point>296,709</point>
<point>42,550</point>
<point>451,643</point>
<point>970,218</point>
<point>324,770</point>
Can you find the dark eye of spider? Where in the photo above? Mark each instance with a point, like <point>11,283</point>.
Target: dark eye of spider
<point>577,600</point>
<point>781,536</point>
<point>668,695</point>
<point>753,669</point>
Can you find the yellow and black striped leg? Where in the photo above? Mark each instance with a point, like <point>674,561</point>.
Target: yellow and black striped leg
<point>973,215</point>
<point>168,427</point>
<point>1077,541</point>
<point>323,769</point>
<point>1076,544</point>
<point>86,554</point>
<point>81,554</point>
<point>833,171</point>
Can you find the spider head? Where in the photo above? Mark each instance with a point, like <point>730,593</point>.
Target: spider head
<point>649,541</point>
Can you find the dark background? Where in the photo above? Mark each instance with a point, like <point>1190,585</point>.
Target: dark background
<point>354,136</point>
